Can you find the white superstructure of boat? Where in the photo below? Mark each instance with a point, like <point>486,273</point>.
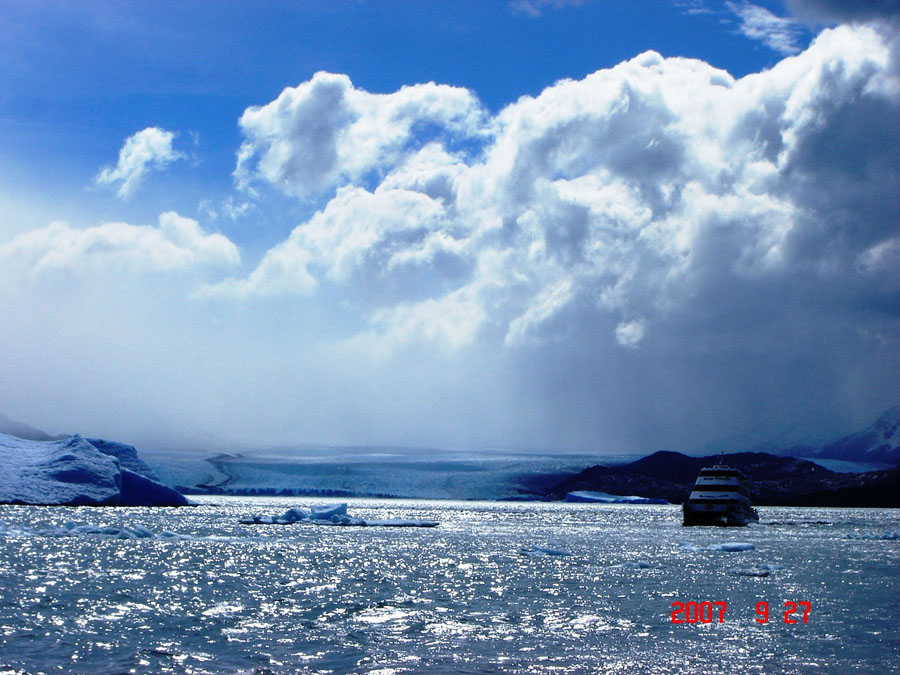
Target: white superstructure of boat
<point>721,496</point>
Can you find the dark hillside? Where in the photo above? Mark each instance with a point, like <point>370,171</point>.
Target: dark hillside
<point>774,480</point>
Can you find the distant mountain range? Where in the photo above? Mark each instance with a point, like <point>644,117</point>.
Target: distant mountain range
<point>878,444</point>
<point>22,430</point>
<point>781,479</point>
<point>774,480</point>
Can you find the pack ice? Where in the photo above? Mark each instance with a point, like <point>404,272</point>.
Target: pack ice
<point>77,471</point>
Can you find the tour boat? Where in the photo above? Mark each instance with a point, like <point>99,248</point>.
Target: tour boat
<point>720,497</point>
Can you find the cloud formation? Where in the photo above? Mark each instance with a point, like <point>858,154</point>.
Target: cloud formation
<point>758,23</point>
<point>639,192</point>
<point>176,243</point>
<point>148,149</point>
<point>657,255</point>
<point>844,11</point>
<point>534,8</point>
<point>326,132</point>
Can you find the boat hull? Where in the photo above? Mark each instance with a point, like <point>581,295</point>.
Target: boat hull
<point>721,515</point>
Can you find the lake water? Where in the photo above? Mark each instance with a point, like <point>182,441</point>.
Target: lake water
<point>469,596</point>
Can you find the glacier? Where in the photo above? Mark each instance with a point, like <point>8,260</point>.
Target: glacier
<point>76,472</point>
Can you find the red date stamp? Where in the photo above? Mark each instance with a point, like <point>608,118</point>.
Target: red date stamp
<point>708,612</point>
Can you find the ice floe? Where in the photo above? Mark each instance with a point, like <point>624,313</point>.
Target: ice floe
<point>335,514</point>
<point>792,523</point>
<point>589,496</point>
<point>725,547</point>
<point>634,565</point>
<point>541,551</point>
<point>72,529</point>
<point>884,536</point>
<point>750,572</point>
<point>731,547</point>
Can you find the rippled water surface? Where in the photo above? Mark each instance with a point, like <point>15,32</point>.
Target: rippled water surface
<point>472,595</point>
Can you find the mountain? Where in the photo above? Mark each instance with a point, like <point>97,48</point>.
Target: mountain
<point>22,430</point>
<point>879,443</point>
<point>774,480</point>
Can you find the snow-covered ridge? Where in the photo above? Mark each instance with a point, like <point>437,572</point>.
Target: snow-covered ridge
<point>74,471</point>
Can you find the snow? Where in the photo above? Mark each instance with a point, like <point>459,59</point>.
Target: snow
<point>75,472</point>
<point>332,514</point>
<point>605,498</point>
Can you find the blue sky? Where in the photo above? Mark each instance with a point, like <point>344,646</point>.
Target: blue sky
<point>80,79</point>
<point>259,222</point>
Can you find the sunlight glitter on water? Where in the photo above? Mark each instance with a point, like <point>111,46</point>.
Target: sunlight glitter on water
<point>226,597</point>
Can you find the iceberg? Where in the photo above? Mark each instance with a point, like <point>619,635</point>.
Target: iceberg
<point>331,514</point>
<point>74,472</point>
<point>127,456</point>
<point>606,498</point>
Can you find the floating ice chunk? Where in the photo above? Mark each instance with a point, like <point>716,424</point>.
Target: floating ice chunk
<point>72,529</point>
<point>726,547</point>
<point>126,454</point>
<point>335,514</point>
<point>75,472</point>
<point>632,565</point>
<point>750,572</point>
<point>606,498</point>
<point>541,551</point>
<point>326,512</point>
<point>691,547</point>
<point>294,515</point>
<point>731,547</point>
<point>141,532</point>
<point>884,536</point>
<point>398,522</point>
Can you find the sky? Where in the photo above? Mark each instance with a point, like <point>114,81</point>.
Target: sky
<point>567,225</point>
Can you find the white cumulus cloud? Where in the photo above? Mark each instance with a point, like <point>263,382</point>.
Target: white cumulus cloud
<point>148,149</point>
<point>176,243</point>
<point>326,132</point>
<point>641,190</point>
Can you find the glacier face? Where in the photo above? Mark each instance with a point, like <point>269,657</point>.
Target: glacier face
<point>75,472</point>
